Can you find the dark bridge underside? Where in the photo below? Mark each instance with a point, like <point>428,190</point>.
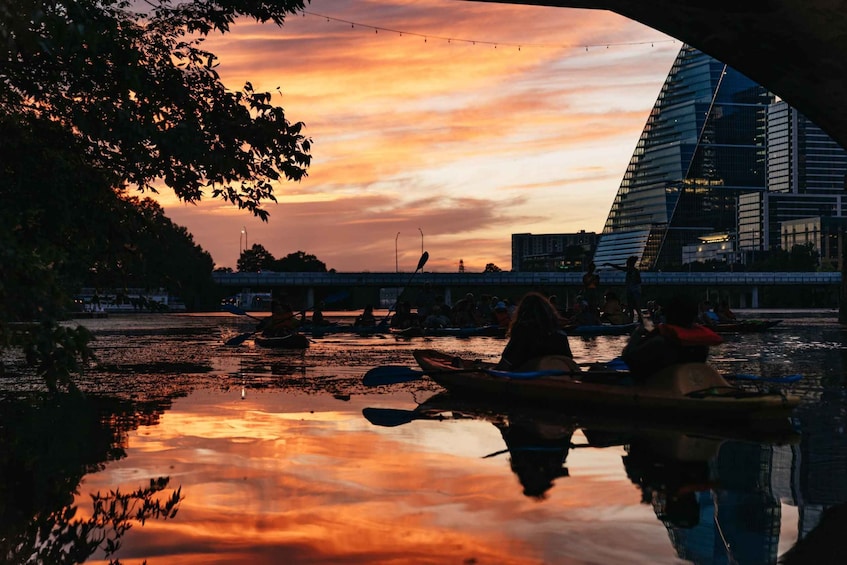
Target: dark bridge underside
<point>795,48</point>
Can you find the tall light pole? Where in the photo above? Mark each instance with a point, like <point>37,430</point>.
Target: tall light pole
<point>396,263</point>
<point>244,233</point>
<point>420,230</point>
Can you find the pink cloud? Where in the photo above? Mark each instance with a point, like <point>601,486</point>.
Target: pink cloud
<point>468,142</point>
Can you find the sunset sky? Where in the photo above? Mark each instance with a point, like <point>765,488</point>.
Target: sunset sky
<point>465,121</point>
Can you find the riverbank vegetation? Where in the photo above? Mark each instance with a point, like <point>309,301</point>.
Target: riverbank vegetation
<point>97,100</point>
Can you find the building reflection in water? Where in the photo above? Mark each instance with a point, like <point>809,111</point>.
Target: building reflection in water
<point>727,508</point>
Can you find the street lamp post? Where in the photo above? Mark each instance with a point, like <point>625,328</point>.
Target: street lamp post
<point>244,233</point>
<point>420,230</point>
<point>396,262</point>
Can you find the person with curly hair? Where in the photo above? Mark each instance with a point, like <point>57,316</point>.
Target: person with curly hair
<point>535,332</point>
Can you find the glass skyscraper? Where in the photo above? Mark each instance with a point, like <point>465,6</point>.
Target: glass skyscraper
<point>702,146</point>
<point>807,177</point>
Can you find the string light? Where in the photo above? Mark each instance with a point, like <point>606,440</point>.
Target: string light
<point>425,37</point>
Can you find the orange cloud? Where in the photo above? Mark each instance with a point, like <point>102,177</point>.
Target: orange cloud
<point>468,142</point>
<point>266,481</point>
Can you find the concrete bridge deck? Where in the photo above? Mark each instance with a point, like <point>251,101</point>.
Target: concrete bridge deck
<point>615,278</point>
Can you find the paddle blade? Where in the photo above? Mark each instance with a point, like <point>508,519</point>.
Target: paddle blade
<point>390,374</point>
<point>389,417</point>
<point>239,339</point>
<point>233,309</point>
<point>423,260</point>
<point>788,379</point>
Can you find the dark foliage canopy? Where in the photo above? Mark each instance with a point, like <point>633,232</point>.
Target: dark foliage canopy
<point>143,98</point>
<point>257,258</point>
<point>98,97</point>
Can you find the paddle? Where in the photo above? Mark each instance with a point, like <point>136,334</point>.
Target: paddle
<point>395,374</point>
<point>233,309</point>
<point>619,365</point>
<point>241,338</point>
<point>788,379</point>
<point>421,262</point>
<point>390,374</point>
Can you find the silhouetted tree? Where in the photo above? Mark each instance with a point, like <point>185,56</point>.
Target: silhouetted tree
<point>256,259</point>
<point>492,268</point>
<point>299,262</point>
<point>100,95</point>
<point>801,258</point>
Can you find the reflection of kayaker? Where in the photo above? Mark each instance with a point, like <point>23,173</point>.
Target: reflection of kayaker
<point>537,453</point>
<point>668,484</point>
<point>675,453</point>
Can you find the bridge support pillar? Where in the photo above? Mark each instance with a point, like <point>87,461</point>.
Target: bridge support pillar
<point>755,298</point>
<point>310,297</point>
<point>448,296</point>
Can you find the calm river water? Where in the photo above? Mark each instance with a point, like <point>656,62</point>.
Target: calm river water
<point>281,457</point>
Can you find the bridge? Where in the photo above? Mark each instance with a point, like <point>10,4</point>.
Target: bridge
<point>795,48</point>
<point>743,288</point>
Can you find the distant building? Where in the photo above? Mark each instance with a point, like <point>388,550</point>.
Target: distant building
<point>702,146</point>
<point>824,233</point>
<point>719,155</point>
<point>712,247</point>
<point>552,252</point>
<point>807,176</point>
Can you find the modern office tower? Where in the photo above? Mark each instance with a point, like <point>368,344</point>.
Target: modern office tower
<point>702,146</point>
<point>807,175</point>
<point>552,252</point>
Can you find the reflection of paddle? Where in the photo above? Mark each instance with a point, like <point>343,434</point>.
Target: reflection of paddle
<point>391,417</point>
<point>421,262</point>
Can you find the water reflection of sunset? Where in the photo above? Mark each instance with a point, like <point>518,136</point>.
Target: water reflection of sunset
<point>267,481</point>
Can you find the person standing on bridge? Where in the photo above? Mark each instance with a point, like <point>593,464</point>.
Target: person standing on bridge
<point>590,288</point>
<point>633,285</point>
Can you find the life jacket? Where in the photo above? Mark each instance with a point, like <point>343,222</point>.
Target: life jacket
<point>695,335</point>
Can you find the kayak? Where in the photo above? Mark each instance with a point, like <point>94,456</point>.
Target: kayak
<point>290,341</point>
<point>745,326</point>
<point>689,390</point>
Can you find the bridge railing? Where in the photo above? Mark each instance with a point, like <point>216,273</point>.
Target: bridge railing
<point>271,279</point>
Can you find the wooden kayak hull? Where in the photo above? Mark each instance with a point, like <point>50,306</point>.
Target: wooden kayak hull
<point>688,390</point>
